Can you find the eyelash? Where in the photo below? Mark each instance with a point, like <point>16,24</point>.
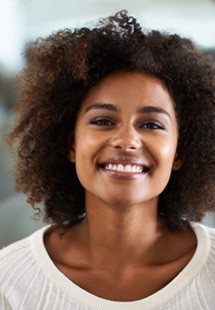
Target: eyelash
<point>102,122</point>
<point>153,125</point>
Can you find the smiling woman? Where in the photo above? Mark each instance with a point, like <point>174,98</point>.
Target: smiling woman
<point>115,135</point>
<point>132,134</point>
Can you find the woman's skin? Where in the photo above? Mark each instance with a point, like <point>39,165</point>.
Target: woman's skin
<point>125,149</point>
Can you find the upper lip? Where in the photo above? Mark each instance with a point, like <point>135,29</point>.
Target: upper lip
<point>125,161</point>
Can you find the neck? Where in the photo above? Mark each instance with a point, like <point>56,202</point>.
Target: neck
<point>120,233</point>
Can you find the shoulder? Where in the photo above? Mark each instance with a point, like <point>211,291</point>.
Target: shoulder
<point>20,253</point>
<point>211,237</point>
<point>206,280</point>
<point>206,251</point>
<point>14,261</point>
<point>205,238</point>
<point>20,273</point>
<point>205,234</point>
<point>12,255</point>
<point>19,269</point>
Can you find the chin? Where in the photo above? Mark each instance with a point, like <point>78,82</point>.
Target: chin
<point>123,202</point>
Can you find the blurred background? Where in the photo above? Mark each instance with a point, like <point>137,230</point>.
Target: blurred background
<point>25,20</point>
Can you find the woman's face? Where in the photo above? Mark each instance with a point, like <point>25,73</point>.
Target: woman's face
<point>126,140</point>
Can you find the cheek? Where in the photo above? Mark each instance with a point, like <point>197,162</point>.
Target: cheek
<point>87,149</point>
<point>83,171</point>
<point>168,152</point>
<point>164,155</point>
<point>89,143</point>
<point>163,151</point>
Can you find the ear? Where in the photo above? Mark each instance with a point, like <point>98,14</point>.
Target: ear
<point>177,163</point>
<point>71,148</point>
<point>72,154</point>
<point>179,158</point>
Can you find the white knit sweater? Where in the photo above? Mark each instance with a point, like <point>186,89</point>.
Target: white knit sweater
<point>30,281</point>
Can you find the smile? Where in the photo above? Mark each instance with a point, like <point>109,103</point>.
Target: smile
<point>124,168</point>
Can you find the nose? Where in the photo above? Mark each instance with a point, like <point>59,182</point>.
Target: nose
<point>126,138</point>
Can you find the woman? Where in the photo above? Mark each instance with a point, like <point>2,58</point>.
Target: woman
<point>115,135</point>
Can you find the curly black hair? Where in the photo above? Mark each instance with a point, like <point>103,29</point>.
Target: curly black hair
<point>63,67</point>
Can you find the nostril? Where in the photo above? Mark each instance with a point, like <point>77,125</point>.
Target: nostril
<point>118,147</point>
<point>125,147</point>
<point>132,148</point>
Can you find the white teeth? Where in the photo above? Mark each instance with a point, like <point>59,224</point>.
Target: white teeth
<point>120,168</point>
<point>139,169</point>
<point>114,167</point>
<point>109,167</point>
<point>134,168</point>
<point>126,168</point>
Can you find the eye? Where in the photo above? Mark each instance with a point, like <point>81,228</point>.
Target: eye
<point>102,122</point>
<point>153,125</point>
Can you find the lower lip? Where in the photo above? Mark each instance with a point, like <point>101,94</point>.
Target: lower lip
<point>123,175</point>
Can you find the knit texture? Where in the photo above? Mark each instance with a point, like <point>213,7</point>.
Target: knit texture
<point>30,281</point>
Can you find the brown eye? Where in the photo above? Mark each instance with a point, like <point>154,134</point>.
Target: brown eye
<point>153,125</point>
<point>102,122</point>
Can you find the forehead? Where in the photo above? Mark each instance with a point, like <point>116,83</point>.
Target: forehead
<point>132,88</point>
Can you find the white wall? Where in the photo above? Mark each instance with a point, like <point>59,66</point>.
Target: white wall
<point>195,19</point>
<point>11,35</point>
<point>23,20</point>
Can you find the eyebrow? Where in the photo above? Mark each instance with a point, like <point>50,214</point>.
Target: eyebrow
<point>151,109</point>
<point>112,107</point>
<point>103,106</point>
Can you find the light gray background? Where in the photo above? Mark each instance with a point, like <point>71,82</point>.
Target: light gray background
<point>24,20</point>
